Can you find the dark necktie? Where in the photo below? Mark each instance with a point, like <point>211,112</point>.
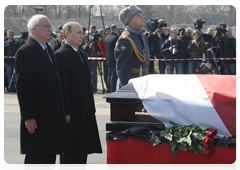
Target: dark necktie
<point>46,51</point>
<point>80,56</point>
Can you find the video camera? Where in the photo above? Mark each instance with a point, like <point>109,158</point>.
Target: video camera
<point>94,37</point>
<point>120,31</point>
<point>153,24</point>
<point>24,34</point>
<point>56,32</point>
<point>198,24</point>
<point>220,31</point>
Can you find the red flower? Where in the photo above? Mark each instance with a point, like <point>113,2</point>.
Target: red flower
<point>211,132</point>
<point>207,139</point>
<point>208,152</point>
<point>209,145</point>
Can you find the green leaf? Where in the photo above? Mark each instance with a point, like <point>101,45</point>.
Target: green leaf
<point>194,139</point>
<point>206,128</point>
<point>173,142</point>
<point>185,133</point>
<point>186,129</point>
<point>174,150</point>
<point>200,137</point>
<point>195,134</point>
<point>194,130</point>
<point>196,151</point>
<point>182,146</point>
<point>200,147</point>
<point>177,135</point>
<point>190,147</point>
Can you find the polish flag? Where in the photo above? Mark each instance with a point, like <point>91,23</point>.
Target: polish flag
<point>203,100</point>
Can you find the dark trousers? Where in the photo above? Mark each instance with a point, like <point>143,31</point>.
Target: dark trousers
<point>162,66</point>
<point>73,159</point>
<point>151,67</point>
<point>5,79</point>
<point>112,78</point>
<point>105,74</point>
<point>40,159</point>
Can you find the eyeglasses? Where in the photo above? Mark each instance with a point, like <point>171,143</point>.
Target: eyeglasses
<point>46,26</point>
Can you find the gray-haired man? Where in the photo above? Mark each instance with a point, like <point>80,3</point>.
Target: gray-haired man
<point>44,131</point>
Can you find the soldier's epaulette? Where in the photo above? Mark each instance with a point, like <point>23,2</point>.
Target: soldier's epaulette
<point>126,34</point>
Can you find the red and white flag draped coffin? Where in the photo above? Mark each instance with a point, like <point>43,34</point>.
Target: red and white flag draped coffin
<point>203,100</point>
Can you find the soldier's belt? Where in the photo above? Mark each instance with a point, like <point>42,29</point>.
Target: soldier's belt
<point>137,70</point>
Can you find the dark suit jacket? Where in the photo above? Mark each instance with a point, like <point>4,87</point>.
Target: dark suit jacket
<point>39,96</point>
<point>78,99</point>
<point>110,43</point>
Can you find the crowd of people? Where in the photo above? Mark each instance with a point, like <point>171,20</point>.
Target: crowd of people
<point>163,44</point>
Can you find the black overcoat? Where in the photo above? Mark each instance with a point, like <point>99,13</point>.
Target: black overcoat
<point>110,43</point>
<point>78,100</point>
<point>39,96</point>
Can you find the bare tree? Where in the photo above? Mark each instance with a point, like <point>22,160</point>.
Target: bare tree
<point>173,14</point>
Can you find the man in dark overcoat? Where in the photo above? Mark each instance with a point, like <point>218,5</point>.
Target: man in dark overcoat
<point>44,130</point>
<point>110,43</point>
<point>78,96</point>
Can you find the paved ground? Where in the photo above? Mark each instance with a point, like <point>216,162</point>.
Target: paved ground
<point>12,123</point>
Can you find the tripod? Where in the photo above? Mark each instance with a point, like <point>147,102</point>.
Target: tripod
<point>99,64</point>
<point>93,66</point>
<point>218,48</point>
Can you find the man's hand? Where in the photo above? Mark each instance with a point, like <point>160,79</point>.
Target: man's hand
<point>91,45</point>
<point>68,118</point>
<point>209,49</point>
<point>31,125</point>
<point>202,64</point>
<point>170,48</point>
<point>155,32</point>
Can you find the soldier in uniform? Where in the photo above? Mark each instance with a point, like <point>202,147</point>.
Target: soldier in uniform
<point>132,49</point>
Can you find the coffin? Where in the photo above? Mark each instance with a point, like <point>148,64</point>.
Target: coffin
<point>126,111</point>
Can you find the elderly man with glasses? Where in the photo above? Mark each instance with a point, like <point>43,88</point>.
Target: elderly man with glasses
<point>44,131</point>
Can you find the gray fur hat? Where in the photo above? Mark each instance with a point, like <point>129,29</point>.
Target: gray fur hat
<point>127,13</point>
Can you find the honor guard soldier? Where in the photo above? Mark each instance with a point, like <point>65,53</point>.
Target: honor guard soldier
<point>132,49</point>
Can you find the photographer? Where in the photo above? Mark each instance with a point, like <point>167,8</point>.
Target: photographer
<point>101,48</point>
<point>206,68</point>
<point>174,48</point>
<point>10,48</point>
<point>217,40</point>
<point>182,35</point>
<point>196,48</point>
<point>189,32</point>
<point>91,48</point>
<point>208,37</point>
<point>156,40</point>
<point>229,51</point>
